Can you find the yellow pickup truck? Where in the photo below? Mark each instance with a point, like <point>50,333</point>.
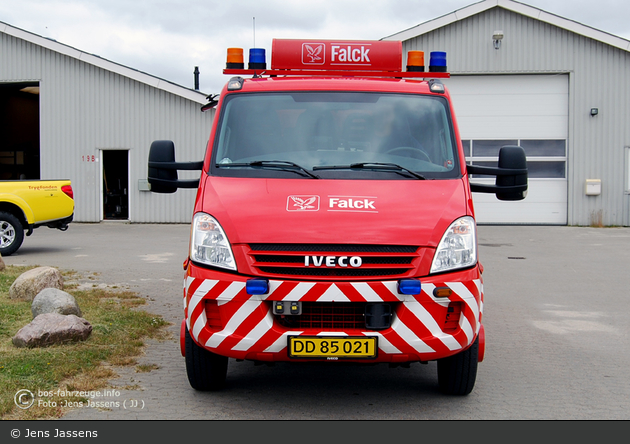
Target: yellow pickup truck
<point>28,204</point>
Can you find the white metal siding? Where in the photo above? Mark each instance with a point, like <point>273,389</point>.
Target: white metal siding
<point>510,106</point>
<point>530,107</point>
<point>598,77</point>
<point>85,109</point>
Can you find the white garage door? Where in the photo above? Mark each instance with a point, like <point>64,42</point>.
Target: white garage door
<point>526,110</point>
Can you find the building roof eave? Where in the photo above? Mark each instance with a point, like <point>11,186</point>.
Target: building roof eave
<point>517,7</point>
<point>125,71</point>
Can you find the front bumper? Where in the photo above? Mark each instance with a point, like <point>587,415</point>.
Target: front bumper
<point>223,318</point>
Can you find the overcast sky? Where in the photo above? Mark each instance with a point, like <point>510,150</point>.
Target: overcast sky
<point>168,38</point>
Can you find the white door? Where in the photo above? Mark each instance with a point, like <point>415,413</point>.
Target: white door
<point>526,110</point>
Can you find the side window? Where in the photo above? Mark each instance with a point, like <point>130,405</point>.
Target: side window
<point>546,158</point>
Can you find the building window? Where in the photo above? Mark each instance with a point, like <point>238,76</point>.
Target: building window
<point>546,159</point>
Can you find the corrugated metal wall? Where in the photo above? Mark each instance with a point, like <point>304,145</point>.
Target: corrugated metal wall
<point>85,109</point>
<point>598,78</point>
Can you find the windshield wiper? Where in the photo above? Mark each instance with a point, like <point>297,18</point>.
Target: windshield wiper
<point>281,164</point>
<point>376,166</point>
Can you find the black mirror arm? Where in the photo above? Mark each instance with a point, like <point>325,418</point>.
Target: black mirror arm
<point>492,171</point>
<point>177,165</point>
<point>479,188</point>
<point>186,183</point>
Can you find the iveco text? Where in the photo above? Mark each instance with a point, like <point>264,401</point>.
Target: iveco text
<point>331,261</point>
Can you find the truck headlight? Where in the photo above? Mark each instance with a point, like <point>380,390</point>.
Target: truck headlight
<point>208,243</point>
<point>458,247</point>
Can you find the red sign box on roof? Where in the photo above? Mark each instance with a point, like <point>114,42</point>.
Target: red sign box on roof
<point>336,55</point>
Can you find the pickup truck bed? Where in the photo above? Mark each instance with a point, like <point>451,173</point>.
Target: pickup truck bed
<point>26,205</point>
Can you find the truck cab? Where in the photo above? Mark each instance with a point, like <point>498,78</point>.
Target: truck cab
<point>334,216</point>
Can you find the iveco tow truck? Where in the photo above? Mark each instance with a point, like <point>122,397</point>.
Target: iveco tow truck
<point>334,218</point>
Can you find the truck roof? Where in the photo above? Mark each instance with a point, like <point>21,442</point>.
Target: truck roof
<point>268,84</point>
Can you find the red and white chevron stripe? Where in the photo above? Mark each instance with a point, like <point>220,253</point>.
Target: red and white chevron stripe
<point>249,332</point>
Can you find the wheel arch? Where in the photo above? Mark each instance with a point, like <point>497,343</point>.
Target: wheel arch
<point>17,211</point>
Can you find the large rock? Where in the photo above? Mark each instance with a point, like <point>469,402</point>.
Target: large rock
<point>52,328</point>
<point>2,264</point>
<point>53,300</point>
<point>31,282</point>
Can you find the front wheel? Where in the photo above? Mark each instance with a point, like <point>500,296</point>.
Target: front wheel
<point>206,370</point>
<point>457,373</point>
<point>11,233</point>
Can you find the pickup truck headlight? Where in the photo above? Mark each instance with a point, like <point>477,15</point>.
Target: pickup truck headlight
<point>208,243</point>
<point>458,247</point>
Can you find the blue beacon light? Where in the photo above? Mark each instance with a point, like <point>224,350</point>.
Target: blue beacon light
<point>437,62</point>
<point>257,59</point>
<point>257,286</point>
<point>409,286</point>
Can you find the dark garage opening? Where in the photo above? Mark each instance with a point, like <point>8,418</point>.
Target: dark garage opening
<point>115,184</point>
<point>19,127</point>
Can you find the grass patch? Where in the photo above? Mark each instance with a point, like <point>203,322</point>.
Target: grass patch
<point>119,330</point>
<point>146,368</point>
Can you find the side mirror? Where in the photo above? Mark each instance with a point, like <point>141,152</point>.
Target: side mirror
<point>511,182</point>
<point>162,175</point>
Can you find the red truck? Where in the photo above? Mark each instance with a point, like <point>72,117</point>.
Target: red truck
<point>334,218</point>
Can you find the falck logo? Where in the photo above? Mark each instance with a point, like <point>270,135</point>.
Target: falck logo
<point>303,203</point>
<point>313,53</point>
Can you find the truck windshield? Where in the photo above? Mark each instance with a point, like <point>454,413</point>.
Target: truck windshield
<point>338,135</point>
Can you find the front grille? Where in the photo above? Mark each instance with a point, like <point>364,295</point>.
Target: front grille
<point>327,316</point>
<point>277,260</point>
<point>334,248</point>
<point>369,260</point>
<point>332,272</point>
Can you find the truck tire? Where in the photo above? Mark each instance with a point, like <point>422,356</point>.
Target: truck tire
<point>457,373</point>
<point>206,370</point>
<point>11,233</point>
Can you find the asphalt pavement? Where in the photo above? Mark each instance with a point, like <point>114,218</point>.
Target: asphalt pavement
<point>555,313</point>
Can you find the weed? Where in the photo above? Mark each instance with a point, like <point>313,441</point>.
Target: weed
<point>146,368</point>
<point>119,330</point>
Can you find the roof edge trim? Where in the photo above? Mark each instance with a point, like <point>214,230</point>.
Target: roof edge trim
<point>125,71</point>
<point>517,7</point>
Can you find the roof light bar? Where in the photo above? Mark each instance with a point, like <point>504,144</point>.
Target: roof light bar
<point>356,58</point>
